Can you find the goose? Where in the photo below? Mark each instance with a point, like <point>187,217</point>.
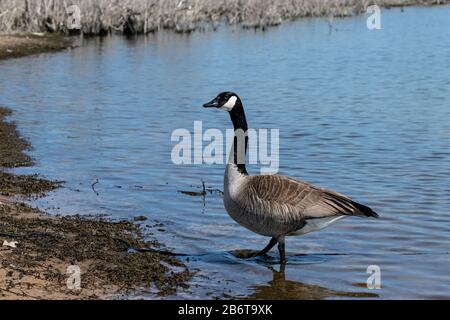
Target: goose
<point>273,205</point>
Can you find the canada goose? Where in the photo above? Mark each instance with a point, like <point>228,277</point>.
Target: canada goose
<point>273,205</point>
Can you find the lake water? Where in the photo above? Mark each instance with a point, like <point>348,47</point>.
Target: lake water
<point>366,113</point>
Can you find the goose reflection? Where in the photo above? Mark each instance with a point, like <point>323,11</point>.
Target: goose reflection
<point>280,288</point>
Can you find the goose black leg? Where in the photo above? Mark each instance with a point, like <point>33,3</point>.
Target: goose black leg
<point>282,251</point>
<point>271,244</point>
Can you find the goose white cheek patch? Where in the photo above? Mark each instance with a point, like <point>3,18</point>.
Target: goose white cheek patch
<point>230,104</point>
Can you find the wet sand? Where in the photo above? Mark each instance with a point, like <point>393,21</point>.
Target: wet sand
<point>37,250</point>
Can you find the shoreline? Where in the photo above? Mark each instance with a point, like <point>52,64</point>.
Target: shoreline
<point>16,46</point>
<point>38,251</point>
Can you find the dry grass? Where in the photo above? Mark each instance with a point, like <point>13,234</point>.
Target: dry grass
<point>144,16</point>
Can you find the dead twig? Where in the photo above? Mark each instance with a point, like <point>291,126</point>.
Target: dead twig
<point>93,187</point>
<point>203,195</point>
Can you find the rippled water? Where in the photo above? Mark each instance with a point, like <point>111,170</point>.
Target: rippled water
<point>366,113</point>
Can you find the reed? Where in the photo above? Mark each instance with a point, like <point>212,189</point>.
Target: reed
<point>144,16</point>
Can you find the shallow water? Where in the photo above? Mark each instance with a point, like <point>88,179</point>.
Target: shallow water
<point>366,113</point>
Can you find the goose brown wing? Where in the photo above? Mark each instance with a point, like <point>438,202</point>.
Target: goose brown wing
<point>295,199</point>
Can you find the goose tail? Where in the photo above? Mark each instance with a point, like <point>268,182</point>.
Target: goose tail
<point>365,210</point>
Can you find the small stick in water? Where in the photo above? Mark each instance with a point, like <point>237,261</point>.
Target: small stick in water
<point>93,187</point>
<point>203,195</point>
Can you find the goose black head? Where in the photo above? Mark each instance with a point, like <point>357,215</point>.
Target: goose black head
<point>224,101</point>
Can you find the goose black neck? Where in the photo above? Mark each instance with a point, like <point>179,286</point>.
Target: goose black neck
<point>237,115</point>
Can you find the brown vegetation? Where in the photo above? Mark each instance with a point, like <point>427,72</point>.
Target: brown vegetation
<point>144,16</point>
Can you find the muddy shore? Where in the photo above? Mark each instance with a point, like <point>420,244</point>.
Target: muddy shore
<point>15,46</point>
<point>40,254</point>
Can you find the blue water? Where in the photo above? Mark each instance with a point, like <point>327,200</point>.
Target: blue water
<point>366,113</point>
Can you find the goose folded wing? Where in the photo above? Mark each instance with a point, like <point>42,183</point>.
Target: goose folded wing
<point>295,199</point>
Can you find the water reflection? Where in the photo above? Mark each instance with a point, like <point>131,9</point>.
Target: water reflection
<point>281,288</point>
